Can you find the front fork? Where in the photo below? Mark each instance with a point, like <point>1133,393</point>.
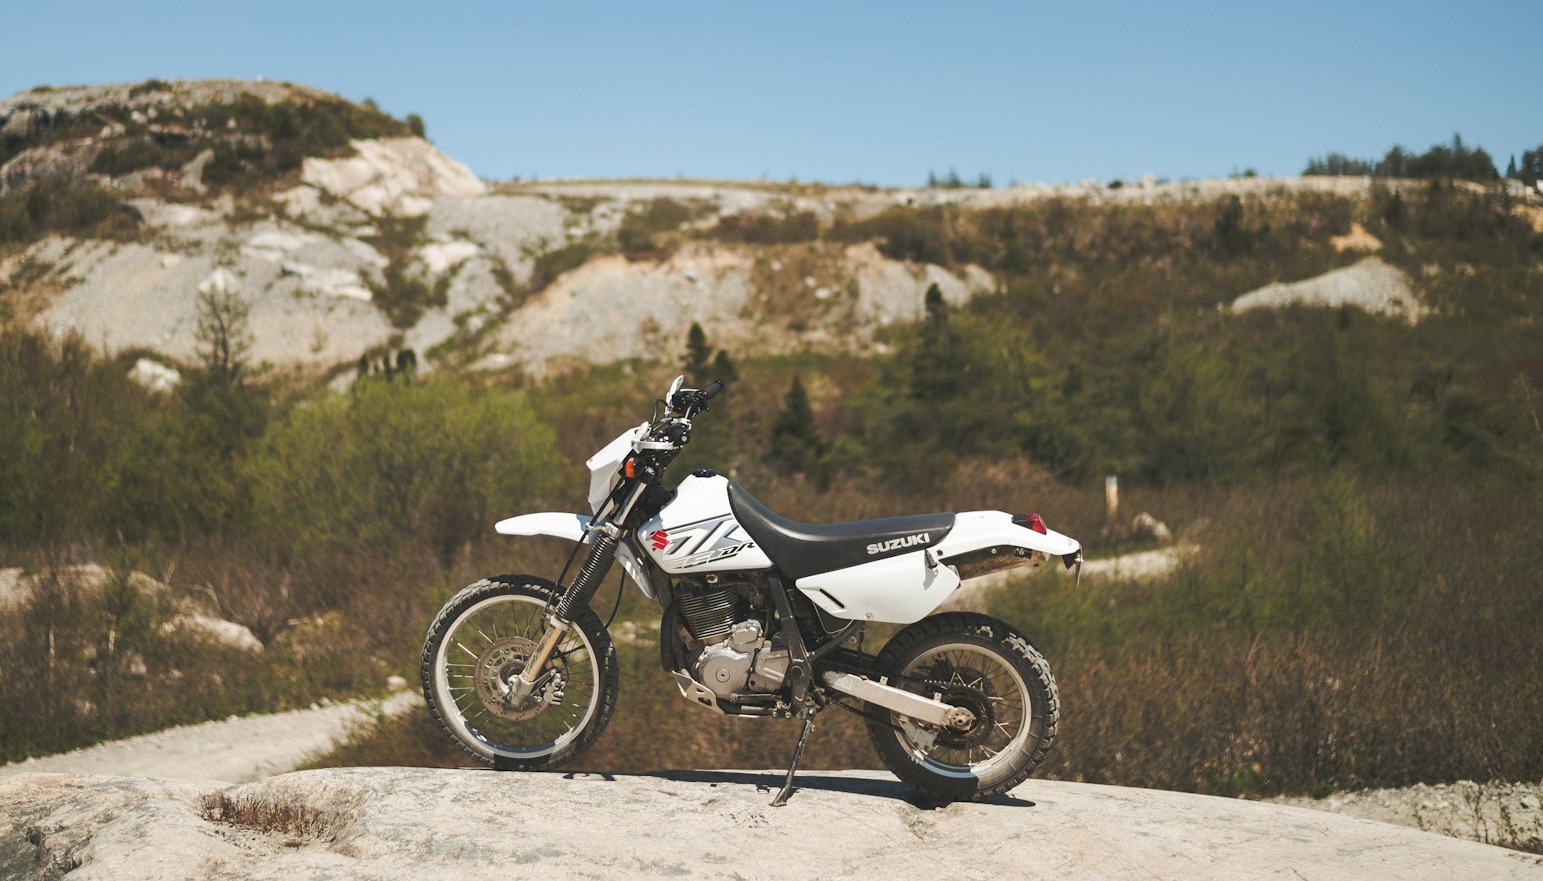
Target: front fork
<point>575,599</point>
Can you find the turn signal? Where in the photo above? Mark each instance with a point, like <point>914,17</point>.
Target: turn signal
<point>631,470</point>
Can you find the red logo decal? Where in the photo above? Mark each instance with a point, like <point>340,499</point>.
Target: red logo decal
<point>660,539</point>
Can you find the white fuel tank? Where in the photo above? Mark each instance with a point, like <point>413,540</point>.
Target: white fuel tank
<point>697,532</point>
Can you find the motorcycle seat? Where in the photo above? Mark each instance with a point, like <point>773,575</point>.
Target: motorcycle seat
<point>799,550</point>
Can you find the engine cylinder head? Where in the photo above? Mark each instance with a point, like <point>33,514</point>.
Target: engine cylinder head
<point>711,613</point>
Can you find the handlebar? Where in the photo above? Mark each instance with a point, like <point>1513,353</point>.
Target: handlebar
<point>658,447</point>
<point>689,402</point>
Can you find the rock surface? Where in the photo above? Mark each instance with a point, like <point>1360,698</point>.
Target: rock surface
<point>1478,811</point>
<point>390,823</point>
<point>1369,284</point>
<point>612,309</point>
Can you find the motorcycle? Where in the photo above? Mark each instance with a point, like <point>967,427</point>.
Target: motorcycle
<point>761,616</point>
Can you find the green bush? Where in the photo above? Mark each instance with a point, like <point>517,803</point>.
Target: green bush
<point>920,235</point>
<point>768,229</point>
<point>644,234</point>
<point>133,155</point>
<point>551,264</point>
<point>84,211</point>
<point>428,463</point>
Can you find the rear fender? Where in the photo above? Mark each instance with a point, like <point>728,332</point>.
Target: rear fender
<point>575,527</point>
<point>982,542</point>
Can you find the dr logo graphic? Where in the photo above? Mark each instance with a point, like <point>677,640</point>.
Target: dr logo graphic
<point>695,544</point>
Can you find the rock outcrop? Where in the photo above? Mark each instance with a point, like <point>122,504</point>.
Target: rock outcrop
<point>399,823</point>
<point>1369,285</point>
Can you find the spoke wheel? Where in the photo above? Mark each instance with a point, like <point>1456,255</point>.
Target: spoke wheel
<point>480,643</point>
<point>983,666</point>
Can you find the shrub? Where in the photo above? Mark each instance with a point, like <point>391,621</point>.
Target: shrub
<point>82,211</point>
<point>554,263</point>
<point>920,235</point>
<point>643,234</point>
<point>768,229</point>
<point>426,463</point>
<point>120,159</point>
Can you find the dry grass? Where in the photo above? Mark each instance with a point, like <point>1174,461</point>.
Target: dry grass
<point>259,814</point>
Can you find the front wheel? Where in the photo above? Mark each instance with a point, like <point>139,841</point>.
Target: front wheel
<point>986,667</point>
<point>480,641</point>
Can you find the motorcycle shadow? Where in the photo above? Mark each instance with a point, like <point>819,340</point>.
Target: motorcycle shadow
<point>771,781</point>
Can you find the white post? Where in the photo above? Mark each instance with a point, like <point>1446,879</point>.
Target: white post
<point>1112,498</point>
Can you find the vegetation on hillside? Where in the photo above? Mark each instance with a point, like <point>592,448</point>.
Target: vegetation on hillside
<point>1366,493</point>
<point>251,144</point>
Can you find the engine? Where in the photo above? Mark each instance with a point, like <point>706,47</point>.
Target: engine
<point>734,655</point>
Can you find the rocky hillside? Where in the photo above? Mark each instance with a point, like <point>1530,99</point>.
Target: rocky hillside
<point>346,235</point>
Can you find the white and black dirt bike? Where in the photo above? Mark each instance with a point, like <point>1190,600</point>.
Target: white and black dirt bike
<point>762,616</point>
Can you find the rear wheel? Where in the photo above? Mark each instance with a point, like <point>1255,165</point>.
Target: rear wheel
<point>481,640</point>
<point>986,667</point>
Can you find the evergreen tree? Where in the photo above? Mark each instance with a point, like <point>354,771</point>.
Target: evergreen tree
<point>723,367</point>
<point>1531,168</point>
<point>796,445</point>
<point>938,362</point>
<point>697,356</point>
<point>1229,234</point>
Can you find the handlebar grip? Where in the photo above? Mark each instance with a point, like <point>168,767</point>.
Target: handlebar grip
<point>712,390</point>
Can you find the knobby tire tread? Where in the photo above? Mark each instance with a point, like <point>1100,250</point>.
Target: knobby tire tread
<point>1037,677</point>
<point>545,590</point>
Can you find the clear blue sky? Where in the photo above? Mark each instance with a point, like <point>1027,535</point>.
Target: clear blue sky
<point>879,92</point>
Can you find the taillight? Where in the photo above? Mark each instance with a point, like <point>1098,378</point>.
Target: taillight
<point>1031,521</point>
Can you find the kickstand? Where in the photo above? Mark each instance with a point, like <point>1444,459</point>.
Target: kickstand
<point>798,753</point>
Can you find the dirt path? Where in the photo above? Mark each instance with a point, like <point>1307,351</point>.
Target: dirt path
<point>236,750</point>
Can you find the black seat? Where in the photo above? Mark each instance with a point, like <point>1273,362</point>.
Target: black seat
<point>803,549</point>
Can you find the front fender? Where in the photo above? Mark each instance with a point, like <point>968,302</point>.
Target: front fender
<point>575,527</point>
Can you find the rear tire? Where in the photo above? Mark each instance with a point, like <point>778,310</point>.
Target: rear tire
<point>481,638</point>
<point>984,665</point>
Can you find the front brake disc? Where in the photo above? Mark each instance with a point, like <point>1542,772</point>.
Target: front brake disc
<point>496,666</point>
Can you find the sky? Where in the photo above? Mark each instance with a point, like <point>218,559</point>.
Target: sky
<point>844,92</point>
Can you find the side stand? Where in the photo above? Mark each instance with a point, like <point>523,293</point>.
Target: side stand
<point>798,753</point>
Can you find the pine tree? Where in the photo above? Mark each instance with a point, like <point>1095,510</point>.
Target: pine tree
<point>796,445</point>
<point>723,367</point>
<point>937,362</point>
<point>697,355</point>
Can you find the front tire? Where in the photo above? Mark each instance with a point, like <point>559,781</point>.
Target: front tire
<point>479,641</point>
<point>984,665</point>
